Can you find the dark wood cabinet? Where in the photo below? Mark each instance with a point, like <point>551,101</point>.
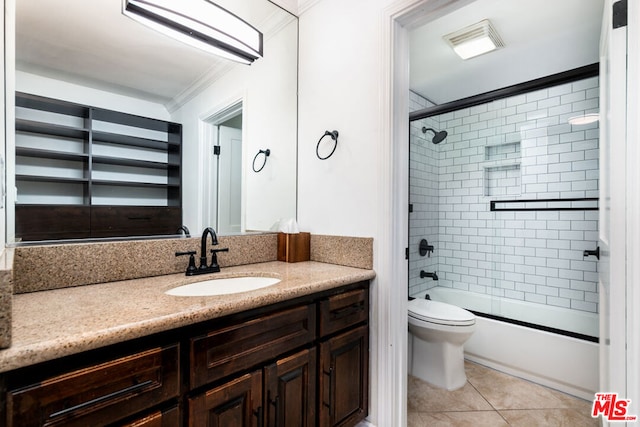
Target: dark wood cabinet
<point>237,403</point>
<point>298,363</point>
<point>290,386</point>
<point>342,311</point>
<point>83,171</point>
<point>109,221</point>
<point>289,398</point>
<point>41,222</point>
<point>343,377</point>
<point>98,394</point>
<point>239,346</point>
<point>162,418</point>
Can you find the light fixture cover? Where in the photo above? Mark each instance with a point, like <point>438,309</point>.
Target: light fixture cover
<point>584,119</point>
<point>475,39</point>
<point>199,23</point>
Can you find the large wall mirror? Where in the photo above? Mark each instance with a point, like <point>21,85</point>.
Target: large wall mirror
<point>88,53</point>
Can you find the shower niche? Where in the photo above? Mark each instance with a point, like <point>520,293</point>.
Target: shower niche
<point>502,174</point>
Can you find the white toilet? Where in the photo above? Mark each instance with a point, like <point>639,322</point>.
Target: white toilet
<point>438,332</point>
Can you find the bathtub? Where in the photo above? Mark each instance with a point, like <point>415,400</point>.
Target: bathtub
<point>558,361</point>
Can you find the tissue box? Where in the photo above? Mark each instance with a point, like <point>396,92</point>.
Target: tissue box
<point>294,247</point>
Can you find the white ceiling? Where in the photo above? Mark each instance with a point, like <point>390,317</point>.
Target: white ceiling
<point>92,43</point>
<point>541,37</point>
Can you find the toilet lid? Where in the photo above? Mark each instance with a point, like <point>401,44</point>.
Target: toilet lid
<point>440,312</point>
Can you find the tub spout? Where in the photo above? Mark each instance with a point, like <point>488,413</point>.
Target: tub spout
<point>424,274</point>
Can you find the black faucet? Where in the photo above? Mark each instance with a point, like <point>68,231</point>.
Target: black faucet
<point>204,267</point>
<point>213,267</point>
<point>185,230</point>
<point>424,274</point>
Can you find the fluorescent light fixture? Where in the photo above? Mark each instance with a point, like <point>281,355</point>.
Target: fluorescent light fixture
<point>475,40</point>
<point>199,23</point>
<point>584,119</point>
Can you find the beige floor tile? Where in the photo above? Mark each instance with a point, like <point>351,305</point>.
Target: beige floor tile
<point>414,419</point>
<point>423,397</point>
<point>503,391</point>
<point>463,419</point>
<point>549,418</point>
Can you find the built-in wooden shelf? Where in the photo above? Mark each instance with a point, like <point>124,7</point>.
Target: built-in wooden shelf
<point>49,147</point>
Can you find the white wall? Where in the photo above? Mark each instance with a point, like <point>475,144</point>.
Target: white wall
<point>341,84</point>
<point>424,159</point>
<point>339,89</point>
<point>66,91</point>
<point>3,120</point>
<point>268,92</point>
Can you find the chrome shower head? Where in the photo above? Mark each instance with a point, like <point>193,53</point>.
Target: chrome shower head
<point>438,137</point>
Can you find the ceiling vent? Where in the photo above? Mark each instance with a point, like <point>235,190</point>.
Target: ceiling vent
<point>475,40</point>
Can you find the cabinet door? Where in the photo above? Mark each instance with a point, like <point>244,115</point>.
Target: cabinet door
<point>344,378</point>
<point>290,384</point>
<point>237,403</point>
<point>167,418</point>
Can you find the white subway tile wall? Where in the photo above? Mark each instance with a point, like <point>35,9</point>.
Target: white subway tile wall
<point>423,195</point>
<point>520,147</point>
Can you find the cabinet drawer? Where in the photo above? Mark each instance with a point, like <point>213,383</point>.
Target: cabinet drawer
<point>99,394</point>
<point>341,311</point>
<point>108,221</point>
<point>38,222</point>
<point>243,345</point>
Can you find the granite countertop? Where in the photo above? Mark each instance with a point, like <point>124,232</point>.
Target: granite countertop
<point>56,323</point>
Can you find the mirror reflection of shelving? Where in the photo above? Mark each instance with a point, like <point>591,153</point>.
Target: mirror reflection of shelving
<point>145,161</point>
<point>52,154</point>
<point>73,155</point>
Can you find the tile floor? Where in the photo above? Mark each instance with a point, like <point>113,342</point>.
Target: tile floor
<point>493,399</point>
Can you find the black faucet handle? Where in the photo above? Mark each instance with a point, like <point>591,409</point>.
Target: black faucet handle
<point>214,257</point>
<point>215,251</point>
<point>192,261</point>
<point>185,253</point>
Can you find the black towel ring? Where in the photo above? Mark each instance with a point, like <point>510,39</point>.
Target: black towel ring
<point>266,153</point>
<point>334,136</point>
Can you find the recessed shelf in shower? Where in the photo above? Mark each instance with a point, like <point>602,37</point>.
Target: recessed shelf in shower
<point>502,180</point>
<point>508,151</point>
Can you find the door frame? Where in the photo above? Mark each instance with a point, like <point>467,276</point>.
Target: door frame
<point>390,347</point>
<point>388,386</point>
<point>620,347</point>
<point>633,207</point>
<point>208,132</point>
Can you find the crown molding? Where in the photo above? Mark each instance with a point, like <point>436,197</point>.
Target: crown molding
<point>304,5</point>
<point>270,26</point>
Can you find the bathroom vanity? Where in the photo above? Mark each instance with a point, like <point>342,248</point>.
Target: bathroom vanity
<point>125,353</point>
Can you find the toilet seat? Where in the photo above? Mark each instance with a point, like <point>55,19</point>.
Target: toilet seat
<point>440,313</point>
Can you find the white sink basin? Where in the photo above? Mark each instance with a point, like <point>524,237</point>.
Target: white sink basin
<point>231,285</point>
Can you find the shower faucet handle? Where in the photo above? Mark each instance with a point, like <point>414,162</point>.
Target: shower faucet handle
<point>425,248</point>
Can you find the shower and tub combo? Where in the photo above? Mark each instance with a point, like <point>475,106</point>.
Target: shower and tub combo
<point>507,197</point>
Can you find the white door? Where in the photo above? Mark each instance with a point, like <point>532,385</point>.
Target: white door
<point>229,180</point>
<point>613,200</point>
